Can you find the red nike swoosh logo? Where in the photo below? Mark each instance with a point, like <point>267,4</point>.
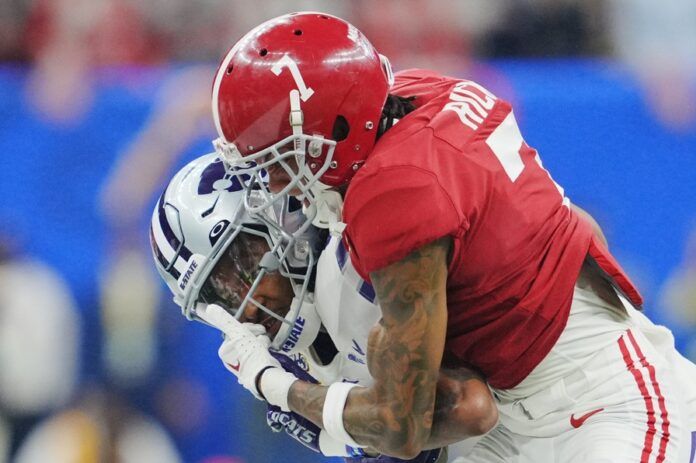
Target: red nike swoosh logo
<point>577,422</point>
<point>234,367</point>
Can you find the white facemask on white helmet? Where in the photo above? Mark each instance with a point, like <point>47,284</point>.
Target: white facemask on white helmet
<point>201,217</point>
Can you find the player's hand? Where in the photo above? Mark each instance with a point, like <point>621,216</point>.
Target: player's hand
<point>426,456</point>
<point>244,352</point>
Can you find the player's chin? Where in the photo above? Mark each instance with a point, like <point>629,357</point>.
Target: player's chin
<point>278,179</point>
<point>276,187</point>
<point>272,328</point>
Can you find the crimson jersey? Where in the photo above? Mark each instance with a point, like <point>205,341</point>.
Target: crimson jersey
<point>458,166</point>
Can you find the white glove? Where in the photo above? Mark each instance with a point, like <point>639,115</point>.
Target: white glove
<point>244,352</point>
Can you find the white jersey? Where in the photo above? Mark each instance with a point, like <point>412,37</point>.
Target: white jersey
<point>345,304</point>
<point>347,307</point>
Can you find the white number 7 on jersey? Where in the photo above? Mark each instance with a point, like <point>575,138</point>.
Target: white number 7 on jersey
<point>286,61</point>
<point>505,142</point>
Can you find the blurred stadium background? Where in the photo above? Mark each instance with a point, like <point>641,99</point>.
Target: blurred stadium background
<point>102,100</point>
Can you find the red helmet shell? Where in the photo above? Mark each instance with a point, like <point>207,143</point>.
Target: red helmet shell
<point>342,76</point>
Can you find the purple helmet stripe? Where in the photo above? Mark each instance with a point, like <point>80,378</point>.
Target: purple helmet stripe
<point>160,257</point>
<point>177,246</point>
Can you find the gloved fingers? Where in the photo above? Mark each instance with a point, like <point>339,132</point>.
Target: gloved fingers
<point>219,318</point>
<point>230,326</point>
<point>264,340</point>
<point>255,328</point>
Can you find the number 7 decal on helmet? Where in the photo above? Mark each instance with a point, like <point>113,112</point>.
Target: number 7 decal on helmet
<point>310,126</point>
<point>305,92</point>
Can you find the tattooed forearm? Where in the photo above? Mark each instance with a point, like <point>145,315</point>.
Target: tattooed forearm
<point>464,407</point>
<point>395,414</point>
<point>404,353</point>
<point>308,400</point>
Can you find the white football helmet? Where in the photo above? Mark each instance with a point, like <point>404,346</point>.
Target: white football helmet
<point>200,218</point>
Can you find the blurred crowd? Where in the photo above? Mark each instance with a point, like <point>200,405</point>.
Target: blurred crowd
<point>47,411</point>
<point>130,32</point>
<point>64,39</point>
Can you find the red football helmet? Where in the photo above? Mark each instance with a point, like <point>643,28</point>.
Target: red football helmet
<point>307,86</point>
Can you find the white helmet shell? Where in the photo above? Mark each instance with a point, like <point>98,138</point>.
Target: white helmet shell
<point>199,215</point>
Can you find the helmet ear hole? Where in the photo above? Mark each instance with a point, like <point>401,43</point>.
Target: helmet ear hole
<point>341,128</point>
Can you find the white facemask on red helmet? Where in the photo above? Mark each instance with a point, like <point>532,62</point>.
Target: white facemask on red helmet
<point>301,96</point>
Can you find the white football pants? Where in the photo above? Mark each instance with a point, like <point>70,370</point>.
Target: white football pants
<point>613,389</point>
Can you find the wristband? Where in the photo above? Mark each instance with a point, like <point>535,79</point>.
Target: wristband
<point>274,386</point>
<point>330,447</point>
<point>332,414</point>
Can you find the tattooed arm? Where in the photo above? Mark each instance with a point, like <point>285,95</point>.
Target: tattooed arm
<point>464,406</point>
<point>395,414</point>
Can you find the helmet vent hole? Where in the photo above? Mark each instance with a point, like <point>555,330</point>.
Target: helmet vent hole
<point>229,69</point>
<point>323,16</point>
<point>297,32</point>
<point>340,128</point>
<point>263,52</point>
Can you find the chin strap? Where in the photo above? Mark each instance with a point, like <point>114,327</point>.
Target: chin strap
<point>336,229</point>
<point>326,209</point>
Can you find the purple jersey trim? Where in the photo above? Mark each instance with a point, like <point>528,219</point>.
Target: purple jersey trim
<point>291,366</point>
<point>367,291</point>
<point>341,255</point>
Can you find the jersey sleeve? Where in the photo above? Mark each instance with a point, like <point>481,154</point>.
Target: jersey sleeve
<point>392,212</point>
